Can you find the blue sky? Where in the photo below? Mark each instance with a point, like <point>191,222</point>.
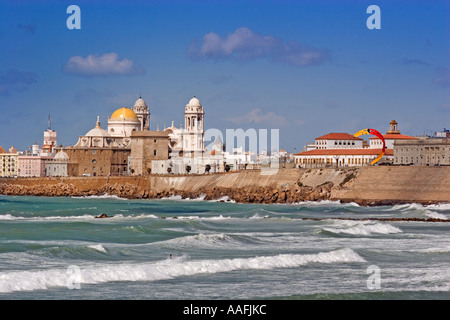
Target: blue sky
<point>306,68</point>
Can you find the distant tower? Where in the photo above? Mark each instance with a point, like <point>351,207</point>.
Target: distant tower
<point>49,138</point>
<point>142,111</point>
<point>393,128</point>
<point>194,133</point>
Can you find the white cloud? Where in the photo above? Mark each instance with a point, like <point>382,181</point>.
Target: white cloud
<point>106,64</point>
<point>244,44</point>
<point>255,116</point>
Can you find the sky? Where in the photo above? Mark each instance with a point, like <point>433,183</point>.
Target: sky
<point>305,68</point>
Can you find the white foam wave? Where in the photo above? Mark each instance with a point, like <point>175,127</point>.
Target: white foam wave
<point>223,199</point>
<point>361,227</point>
<point>166,269</point>
<point>202,240</point>
<point>440,206</point>
<point>179,197</point>
<point>326,203</point>
<point>97,247</point>
<point>430,211</point>
<point>104,196</point>
<point>77,217</point>
<point>9,217</point>
<point>436,215</point>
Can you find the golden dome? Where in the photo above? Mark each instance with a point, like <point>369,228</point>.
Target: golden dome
<point>124,114</point>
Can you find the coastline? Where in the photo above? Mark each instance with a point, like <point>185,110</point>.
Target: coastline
<point>366,186</point>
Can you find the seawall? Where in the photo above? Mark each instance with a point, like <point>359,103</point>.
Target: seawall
<point>365,185</point>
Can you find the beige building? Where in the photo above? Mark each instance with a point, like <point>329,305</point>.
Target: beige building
<point>422,152</point>
<point>103,152</point>
<point>8,162</point>
<point>147,146</point>
<point>97,161</point>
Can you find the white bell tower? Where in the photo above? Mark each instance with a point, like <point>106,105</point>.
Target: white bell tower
<point>194,133</point>
<point>143,113</point>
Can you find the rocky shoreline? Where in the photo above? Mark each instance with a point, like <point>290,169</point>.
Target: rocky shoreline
<point>366,186</point>
<point>288,194</point>
<point>266,195</point>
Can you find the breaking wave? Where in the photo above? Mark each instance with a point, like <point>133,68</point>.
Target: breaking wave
<point>166,269</point>
<point>435,211</point>
<point>364,228</point>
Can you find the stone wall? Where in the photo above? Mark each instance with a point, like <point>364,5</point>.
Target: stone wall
<point>365,185</point>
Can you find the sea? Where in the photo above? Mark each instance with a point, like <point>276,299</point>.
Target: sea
<point>54,248</point>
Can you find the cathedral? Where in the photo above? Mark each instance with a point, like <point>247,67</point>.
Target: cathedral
<point>128,146</point>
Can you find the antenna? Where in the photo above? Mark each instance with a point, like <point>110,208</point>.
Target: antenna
<point>49,122</point>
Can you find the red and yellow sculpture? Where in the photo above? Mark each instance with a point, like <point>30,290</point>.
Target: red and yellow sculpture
<point>379,135</point>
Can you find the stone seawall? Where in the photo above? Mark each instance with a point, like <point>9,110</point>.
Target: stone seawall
<point>366,185</point>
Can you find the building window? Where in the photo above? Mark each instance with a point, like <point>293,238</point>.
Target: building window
<point>94,151</point>
<point>154,141</point>
<point>154,152</point>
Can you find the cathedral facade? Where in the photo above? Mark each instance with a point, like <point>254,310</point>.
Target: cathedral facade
<point>127,146</point>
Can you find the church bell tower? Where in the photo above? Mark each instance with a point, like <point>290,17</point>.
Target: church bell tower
<point>194,133</point>
<point>142,112</point>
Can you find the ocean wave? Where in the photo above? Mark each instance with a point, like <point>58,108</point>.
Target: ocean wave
<point>46,218</point>
<point>201,241</point>
<point>180,198</point>
<point>364,228</point>
<point>84,217</point>
<point>104,196</point>
<point>419,210</point>
<point>74,276</point>
<point>199,198</point>
<point>326,203</point>
<point>98,247</point>
<point>10,217</point>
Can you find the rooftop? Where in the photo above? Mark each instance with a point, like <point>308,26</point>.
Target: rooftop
<point>338,136</point>
<point>344,152</point>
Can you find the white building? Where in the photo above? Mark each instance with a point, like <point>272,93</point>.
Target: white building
<point>392,135</point>
<point>343,149</point>
<point>120,126</point>
<point>338,141</point>
<point>57,167</point>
